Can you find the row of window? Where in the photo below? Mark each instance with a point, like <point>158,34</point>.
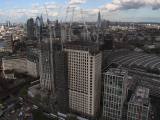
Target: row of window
<point>113,91</point>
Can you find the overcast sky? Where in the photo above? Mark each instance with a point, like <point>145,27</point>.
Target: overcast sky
<point>116,10</point>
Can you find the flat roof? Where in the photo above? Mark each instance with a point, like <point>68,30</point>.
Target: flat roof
<point>117,72</point>
<point>81,45</point>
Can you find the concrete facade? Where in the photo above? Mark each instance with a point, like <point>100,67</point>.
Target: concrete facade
<point>20,65</point>
<point>84,76</point>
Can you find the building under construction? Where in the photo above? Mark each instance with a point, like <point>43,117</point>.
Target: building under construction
<point>54,69</point>
<point>53,77</point>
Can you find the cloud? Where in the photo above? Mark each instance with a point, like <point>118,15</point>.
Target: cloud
<point>76,2</point>
<point>51,5</point>
<point>132,4</point>
<point>1,13</point>
<point>36,9</point>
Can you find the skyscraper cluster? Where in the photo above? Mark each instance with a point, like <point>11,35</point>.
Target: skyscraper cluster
<point>71,70</point>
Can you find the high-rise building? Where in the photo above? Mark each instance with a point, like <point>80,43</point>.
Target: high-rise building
<point>57,29</point>
<point>66,33</point>
<point>115,93</point>
<point>46,56</point>
<point>30,29</point>
<point>84,77</point>
<point>139,105</point>
<point>99,20</point>
<point>53,66</point>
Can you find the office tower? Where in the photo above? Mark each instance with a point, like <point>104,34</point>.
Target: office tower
<point>99,20</point>
<point>45,57</point>
<point>8,23</point>
<point>139,105</point>
<point>53,66</point>
<point>30,29</point>
<point>66,33</point>
<point>38,28</point>
<point>84,77</point>
<point>57,29</point>
<point>99,34</point>
<point>115,93</point>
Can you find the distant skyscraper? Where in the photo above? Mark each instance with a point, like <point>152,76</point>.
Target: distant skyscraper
<point>115,93</point>
<point>8,24</point>
<point>139,105</point>
<point>30,29</point>
<point>57,29</point>
<point>38,28</point>
<point>99,27</point>
<point>66,33</point>
<point>99,20</point>
<point>84,75</point>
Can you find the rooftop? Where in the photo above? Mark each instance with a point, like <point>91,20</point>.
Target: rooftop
<point>141,96</point>
<point>132,59</point>
<point>14,56</point>
<point>117,72</point>
<point>81,45</point>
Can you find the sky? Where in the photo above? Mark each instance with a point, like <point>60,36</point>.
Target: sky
<point>80,10</point>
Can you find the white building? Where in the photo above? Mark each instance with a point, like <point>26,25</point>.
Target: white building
<point>115,93</point>
<point>84,77</point>
<point>20,65</point>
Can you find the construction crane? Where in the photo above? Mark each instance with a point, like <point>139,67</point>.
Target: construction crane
<point>52,36</point>
<point>45,7</point>
<point>86,28</point>
<point>98,26</point>
<point>51,49</point>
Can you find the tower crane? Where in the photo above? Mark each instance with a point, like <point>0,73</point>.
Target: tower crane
<point>52,93</point>
<point>86,28</point>
<point>45,7</point>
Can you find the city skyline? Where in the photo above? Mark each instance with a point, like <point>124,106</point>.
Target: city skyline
<point>67,70</point>
<point>113,10</point>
